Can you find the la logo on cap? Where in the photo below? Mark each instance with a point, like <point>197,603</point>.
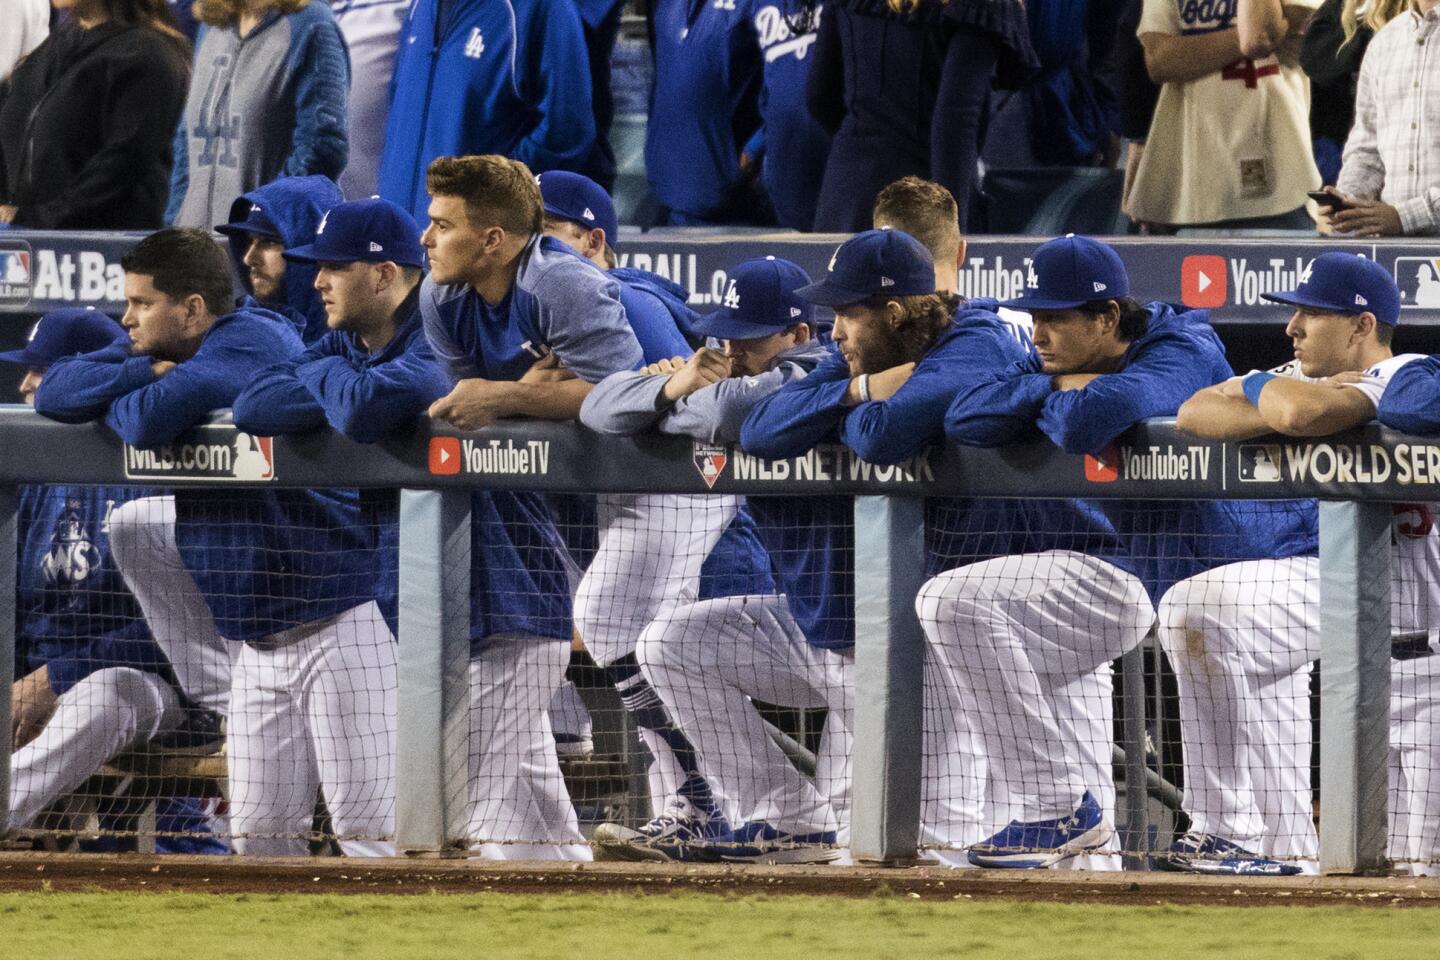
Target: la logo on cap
<point>1305,274</point>
<point>833,257</point>
<point>1031,280</point>
<point>321,229</point>
<point>254,208</point>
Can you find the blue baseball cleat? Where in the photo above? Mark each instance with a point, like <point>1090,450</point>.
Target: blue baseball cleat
<point>1044,843</point>
<point>683,833</point>
<point>201,732</point>
<point>1216,856</point>
<point>758,842</point>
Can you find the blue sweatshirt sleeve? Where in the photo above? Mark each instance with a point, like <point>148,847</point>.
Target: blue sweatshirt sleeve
<point>1000,408</point>
<point>366,403</point>
<point>229,359</point>
<point>321,66</point>
<point>1411,402</point>
<point>1153,384</point>
<point>800,414</point>
<point>179,172</point>
<point>277,403</point>
<point>583,322</point>
<point>80,389</point>
<point>558,83</point>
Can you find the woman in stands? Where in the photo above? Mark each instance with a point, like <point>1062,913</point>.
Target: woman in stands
<point>86,120</point>
<point>268,99</point>
<point>913,77</point>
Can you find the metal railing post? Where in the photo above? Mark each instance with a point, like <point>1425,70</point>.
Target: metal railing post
<point>889,679</point>
<point>433,724</point>
<point>1354,685</point>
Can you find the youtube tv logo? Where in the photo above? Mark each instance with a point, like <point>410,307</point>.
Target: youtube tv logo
<point>1202,281</point>
<point>444,456</point>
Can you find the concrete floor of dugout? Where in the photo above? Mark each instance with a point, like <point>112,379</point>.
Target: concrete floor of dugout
<point>233,875</point>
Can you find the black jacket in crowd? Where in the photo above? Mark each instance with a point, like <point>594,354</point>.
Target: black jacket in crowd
<point>1333,66</point>
<point>87,124</point>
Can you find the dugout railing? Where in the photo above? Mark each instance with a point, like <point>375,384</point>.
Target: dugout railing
<point>1355,476</point>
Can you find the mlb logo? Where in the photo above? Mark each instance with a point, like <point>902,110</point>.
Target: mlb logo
<point>17,275</point>
<point>444,456</point>
<point>1419,281</point>
<point>14,266</point>
<point>1104,467</point>
<point>1260,462</point>
<point>254,457</point>
<point>710,460</point>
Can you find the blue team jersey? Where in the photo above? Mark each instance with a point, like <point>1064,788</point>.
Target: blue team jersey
<point>74,613</point>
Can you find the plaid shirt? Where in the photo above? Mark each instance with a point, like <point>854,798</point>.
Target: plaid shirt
<point>1393,152</point>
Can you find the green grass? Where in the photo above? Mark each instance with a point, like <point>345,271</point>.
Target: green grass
<point>58,926</point>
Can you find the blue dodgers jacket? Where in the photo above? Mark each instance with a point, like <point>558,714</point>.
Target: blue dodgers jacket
<point>657,312</point>
<point>486,76</point>
<point>1162,543</point>
<point>74,613</point>
<point>296,205</point>
<point>1411,401</point>
<point>265,561</point>
<point>703,105</point>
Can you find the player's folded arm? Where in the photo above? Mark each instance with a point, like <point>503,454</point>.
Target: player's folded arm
<point>1212,414</point>
<point>583,321</point>
<point>624,404</point>
<point>157,414</point>
<point>80,389</point>
<point>1411,402</point>
<point>799,415</point>
<point>366,404</point>
<point>277,403</point>
<point>1298,408</point>
<point>997,410</point>
<point>716,413</point>
<point>889,431</point>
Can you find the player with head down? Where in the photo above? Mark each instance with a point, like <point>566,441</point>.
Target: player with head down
<point>93,683</point>
<point>1028,639</point>
<point>288,573</point>
<point>1242,637</point>
<point>791,647</point>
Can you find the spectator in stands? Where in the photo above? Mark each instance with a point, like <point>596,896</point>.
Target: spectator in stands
<point>86,120</point>
<point>902,84</point>
<point>601,22</point>
<point>290,573</point>
<point>510,79</point>
<point>1390,180</point>
<point>92,684</point>
<point>1331,55</point>
<point>262,225</point>
<point>371,29</point>
<point>27,24</point>
<point>1229,145</point>
<point>1138,93</point>
<point>703,108</point>
<point>267,99</point>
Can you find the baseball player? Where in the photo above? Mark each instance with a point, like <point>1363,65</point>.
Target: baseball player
<point>654,552</point>
<point>284,213</point>
<point>1242,637</point>
<point>93,682</point>
<point>791,647</point>
<point>289,573</point>
<point>1027,640</point>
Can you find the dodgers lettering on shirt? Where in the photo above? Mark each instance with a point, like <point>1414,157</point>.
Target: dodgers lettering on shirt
<point>1206,16</point>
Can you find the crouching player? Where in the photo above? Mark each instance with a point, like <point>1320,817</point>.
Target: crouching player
<point>288,573</point>
<point>792,648</point>
<point>1242,637</point>
<point>1029,638</point>
<point>93,683</point>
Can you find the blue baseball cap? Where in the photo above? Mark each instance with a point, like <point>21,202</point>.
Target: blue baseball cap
<point>760,301</point>
<point>1070,272</point>
<point>256,220</point>
<point>64,333</point>
<point>874,263</point>
<point>372,231</point>
<point>570,196</point>
<point>1345,283</point>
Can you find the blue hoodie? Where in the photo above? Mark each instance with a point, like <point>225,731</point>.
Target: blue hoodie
<point>703,105</point>
<point>264,560</point>
<point>486,76</point>
<point>296,205</point>
<point>1411,402</point>
<point>74,613</point>
<point>1163,543</point>
<point>642,292</point>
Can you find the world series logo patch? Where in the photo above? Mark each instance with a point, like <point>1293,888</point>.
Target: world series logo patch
<point>710,460</point>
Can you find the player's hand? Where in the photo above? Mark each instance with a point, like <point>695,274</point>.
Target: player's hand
<point>32,703</point>
<point>8,212</point>
<point>887,383</point>
<point>1072,381</point>
<point>162,367</point>
<point>665,366</point>
<point>548,369</point>
<point>473,404</point>
<point>1367,218</point>
<point>705,367</point>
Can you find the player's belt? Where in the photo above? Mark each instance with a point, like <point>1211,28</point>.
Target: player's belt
<point>291,635</point>
<point>1410,646</point>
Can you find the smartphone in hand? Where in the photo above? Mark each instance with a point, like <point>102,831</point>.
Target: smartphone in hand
<point>1328,200</point>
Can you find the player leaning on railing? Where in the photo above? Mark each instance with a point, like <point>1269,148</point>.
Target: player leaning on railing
<point>1242,637</point>
<point>290,572</point>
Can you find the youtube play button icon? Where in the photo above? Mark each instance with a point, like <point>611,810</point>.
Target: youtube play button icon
<point>444,456</point>
<point>1202,281</point>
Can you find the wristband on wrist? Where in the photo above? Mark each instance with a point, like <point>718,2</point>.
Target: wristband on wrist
<point>862,387</point>
<point>1253,384</point>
